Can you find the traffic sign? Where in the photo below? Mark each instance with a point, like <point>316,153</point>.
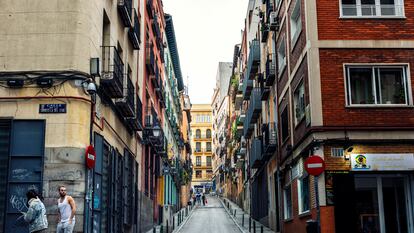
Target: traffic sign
<point>314,165</point>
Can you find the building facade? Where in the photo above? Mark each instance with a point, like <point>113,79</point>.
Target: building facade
<point>327,79</point>
<point>201,142</point>
<point>88,100</point>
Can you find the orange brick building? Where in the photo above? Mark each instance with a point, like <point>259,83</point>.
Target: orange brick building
<point>344,92</point>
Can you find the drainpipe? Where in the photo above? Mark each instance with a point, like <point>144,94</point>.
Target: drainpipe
<point>89,189</point>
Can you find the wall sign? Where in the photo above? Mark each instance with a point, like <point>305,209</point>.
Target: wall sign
<point>52,108</point>
<point>382,162</point>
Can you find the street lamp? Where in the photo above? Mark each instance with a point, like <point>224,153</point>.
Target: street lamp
<point>156,131</point>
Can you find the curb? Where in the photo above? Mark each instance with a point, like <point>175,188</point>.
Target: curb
<point>232,218</point>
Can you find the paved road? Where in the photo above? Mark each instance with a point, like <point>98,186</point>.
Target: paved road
<point>211,218</point>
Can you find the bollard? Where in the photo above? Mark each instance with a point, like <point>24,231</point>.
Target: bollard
<point>250,224</point>
<point>162,229</point>
<point>261,229</point>
<point>167,226</point>
<point>242,220</point>
<point>235,211</point>
<point>173,225</point>
<point>154,230</point>
<point>254,226</point>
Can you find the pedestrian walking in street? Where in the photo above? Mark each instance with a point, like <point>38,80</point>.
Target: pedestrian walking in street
<point>204,199</point>
<point>198,197</point>
<point>194,199</point>
<point>36,213</point>
<point>66,212</point>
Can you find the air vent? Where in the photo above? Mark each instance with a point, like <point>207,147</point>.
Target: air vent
<point>337,152</point>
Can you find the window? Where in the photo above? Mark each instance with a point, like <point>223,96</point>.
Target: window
<point>208,133</point>
<point>209,173</point>
<point>285,124</point>
<point>198,161</point>
<point>287,204</point>
<point>208,146</point>
<point>372,8</point>
<point>281,55</point>
<point>303,194</point>
<point>198,174</point>
<point>295,23</point>
<point>299,102</point>
<point>377,85</point>
<point>198,133</point>
<point>198,147</point>
<point>208,158</point>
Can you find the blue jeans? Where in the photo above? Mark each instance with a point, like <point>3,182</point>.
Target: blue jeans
<point>65,227</point>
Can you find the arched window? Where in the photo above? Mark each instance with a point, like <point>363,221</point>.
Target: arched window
<point>198,133</point>
<point>208,133</point>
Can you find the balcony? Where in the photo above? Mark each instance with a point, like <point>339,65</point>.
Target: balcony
<point>126,105</point>
<point>270,71</point>
<point>264,29</point>
<point>125,11</point>
<point>256,155</point>
<point>255,106</point>
<point>134,33</point>
<point>253,60</point>
<point>112,72</point>
<point>247,88</point>
<point>159,91</point>
<point>269,138</point>
<point>202,137</point>
<point>265,90</point>
<point>150,8</point>
<point>135,123</point>
<point>156,27</point>
<point>150,58</point>
<point>155,79</point>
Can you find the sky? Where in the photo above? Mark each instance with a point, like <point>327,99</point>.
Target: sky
<point>206,32</point>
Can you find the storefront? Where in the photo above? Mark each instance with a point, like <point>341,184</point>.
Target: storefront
<point>375,195</point>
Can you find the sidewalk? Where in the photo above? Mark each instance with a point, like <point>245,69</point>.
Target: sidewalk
<point>243,219</point>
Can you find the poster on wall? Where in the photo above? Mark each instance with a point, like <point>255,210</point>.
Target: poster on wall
<point>329,185</point>
<point>382,162</point>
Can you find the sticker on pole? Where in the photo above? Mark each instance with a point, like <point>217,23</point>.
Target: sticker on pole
<point>314,165</point>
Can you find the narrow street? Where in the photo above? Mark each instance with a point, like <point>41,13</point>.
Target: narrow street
<point>211,218</point>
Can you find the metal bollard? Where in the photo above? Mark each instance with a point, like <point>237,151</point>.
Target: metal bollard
<point>173,225</point>
<point>162,229</point>
<point>254,226</point>
<point>242,220</point>
<point>261,229</point>
<point>154,230</point>
<point>250,224</point>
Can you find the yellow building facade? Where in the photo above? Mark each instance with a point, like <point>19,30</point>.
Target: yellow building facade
<point>201,144</point>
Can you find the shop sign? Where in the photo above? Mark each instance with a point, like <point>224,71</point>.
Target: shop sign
<point>382,162</point>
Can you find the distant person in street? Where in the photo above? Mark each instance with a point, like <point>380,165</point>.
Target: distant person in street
<point>36,213</point>
<point>198,197</point>
<point>204,199</point>
<point>66,212</point>
<point>194,199</point>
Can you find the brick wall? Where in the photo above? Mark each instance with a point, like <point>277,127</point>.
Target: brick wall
<point>331,27</point>
<point>333,91</point>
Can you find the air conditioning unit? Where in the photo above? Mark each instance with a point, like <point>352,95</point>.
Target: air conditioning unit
<point>274,21</point>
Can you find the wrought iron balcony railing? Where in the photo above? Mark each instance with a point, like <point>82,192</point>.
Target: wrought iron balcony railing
<point>269,131</point>
<point>126,105</point>
<point>125,11</point>
<point>150,58</point>
<point>270,71</point>
<point>112,72</point>
<point>134,32</point>
<point>247,88</point>
<point>253,60</point>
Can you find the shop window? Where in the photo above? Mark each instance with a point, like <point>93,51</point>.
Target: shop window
<point>372,8</point>
<point>303,194</point>
<point>287,198</point>
<point>377,85</point>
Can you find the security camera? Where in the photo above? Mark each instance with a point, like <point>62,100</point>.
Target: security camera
<point>91,89</point>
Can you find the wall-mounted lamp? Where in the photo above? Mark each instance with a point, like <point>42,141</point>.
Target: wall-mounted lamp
<point>347,156</point>
<point>350,149</point>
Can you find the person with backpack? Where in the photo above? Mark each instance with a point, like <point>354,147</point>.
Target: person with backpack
<point>36,213</point>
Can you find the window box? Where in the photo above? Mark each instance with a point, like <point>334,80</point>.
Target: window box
<point>372,85</point>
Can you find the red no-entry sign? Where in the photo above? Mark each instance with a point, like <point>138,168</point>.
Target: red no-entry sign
<point>314,165</point>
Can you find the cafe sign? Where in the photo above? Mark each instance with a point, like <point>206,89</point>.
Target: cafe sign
<point>382,162</point>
